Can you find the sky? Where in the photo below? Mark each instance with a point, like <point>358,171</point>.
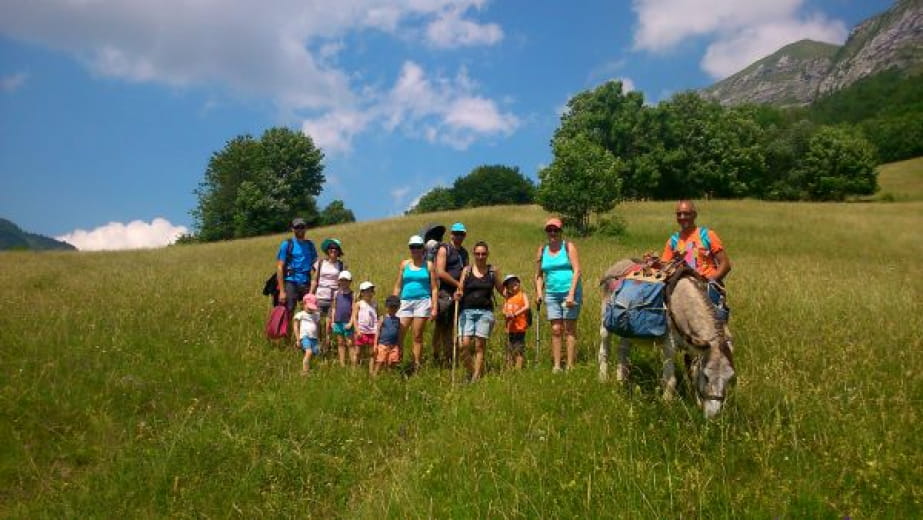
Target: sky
<point>111,109</point>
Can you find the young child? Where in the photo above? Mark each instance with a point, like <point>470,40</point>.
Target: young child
<point>365,323</point>
<point>306,328</point>
<point>387,344</point>
<point>341,311</point>
<point>515,310</point>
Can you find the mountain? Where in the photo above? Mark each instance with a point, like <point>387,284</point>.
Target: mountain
<point>12,237</point>
<point>800,72</point>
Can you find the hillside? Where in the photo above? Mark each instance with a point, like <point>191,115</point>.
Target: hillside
<point>164,399</point>
<point>14,238</point>
<point>801,72</point>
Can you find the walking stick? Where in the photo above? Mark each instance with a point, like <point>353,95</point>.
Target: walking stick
<point>454,342</point>
<point>538,327</point>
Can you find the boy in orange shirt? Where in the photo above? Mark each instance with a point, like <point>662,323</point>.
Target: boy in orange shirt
<point>515,310</point>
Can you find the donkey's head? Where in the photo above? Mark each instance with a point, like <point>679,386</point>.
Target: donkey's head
<point>714,376</point>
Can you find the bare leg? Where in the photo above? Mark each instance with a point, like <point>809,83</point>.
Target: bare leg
<point>464,353</point>
<point>306,362</point>
<point>570,333</point>
<point>557,329</point>
<point>480,345</point>
<point>418,325</point>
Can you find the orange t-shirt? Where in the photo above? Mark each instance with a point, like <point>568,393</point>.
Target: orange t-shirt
<point>699,258</point>
<point>514,304</point>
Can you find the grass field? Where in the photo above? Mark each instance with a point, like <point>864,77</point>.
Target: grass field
<point>138,385</point>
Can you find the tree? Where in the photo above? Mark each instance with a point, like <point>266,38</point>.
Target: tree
<point>492,185</point>
<point>437,199</point>
<point>254,187</point>
<point>838,163</point>
<point>336,213</point>
<point>582,178</point>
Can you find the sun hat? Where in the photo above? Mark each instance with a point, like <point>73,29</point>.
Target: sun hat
<point>345,275</point>
<point>298,221</point>
<point>553,222</point>
<point>364,286</point>
<point>415,240</point>
<point>392,301</point>
<point>431,244</point>
<point>309,301</point>
<point>458,227</point>
<point>328,242</point>
<point>508,278</point>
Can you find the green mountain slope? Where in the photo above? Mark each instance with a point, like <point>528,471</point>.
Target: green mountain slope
<point>12,237</point>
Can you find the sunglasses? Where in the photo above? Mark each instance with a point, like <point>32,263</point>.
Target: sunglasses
<point>299,226</point>
<point>480,255</point>
<point>684,213</point>
<point>552,230</point>
<point>416,247</point>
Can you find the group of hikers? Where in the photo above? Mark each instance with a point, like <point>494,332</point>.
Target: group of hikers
<point>442,283</point>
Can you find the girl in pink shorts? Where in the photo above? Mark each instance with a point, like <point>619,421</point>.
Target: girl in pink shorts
<point>365,323</point>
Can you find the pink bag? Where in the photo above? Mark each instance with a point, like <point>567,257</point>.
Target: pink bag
<point>278,323</point>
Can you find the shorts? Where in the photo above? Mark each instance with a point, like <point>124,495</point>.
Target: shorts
<point>388,354</point>
<point>339,329</point>
<point>415,308</point>
<point>310,344</point>
<point>324,307</point>
<point>446,306</point>
<point>716,293</point>
<point>365,339</point>
<point>475,322</point>
<point>293,294</point>
<point>555,309</point>
<point>517,343</point>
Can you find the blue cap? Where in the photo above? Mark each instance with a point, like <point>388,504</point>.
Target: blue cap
<point>458,227</point>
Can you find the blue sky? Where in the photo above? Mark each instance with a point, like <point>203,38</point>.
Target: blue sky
<point>110,109</point>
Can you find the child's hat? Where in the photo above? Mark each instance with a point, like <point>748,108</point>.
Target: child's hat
<point>364,286</point>
<point>345,275</point>
<point>509,277</point>
<point>392,301</point>
<point>309,301</point>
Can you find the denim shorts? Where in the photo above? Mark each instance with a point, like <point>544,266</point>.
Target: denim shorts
<point>475,322</point>
<point>310,344</point>
<point>415,308</point>
<point>555,309</point>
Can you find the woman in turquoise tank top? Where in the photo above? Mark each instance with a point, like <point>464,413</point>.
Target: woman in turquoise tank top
<point>558,285</point>
<point>417,289</point>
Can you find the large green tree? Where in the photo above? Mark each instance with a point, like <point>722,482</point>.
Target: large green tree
<point>583,178</point>
<point>439,198</point>
<point>336,213</point>
<point>838,163</point>
<point>492,185</point>
<point>254,187</point>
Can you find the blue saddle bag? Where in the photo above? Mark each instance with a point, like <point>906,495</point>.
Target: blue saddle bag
<point>636,310</point>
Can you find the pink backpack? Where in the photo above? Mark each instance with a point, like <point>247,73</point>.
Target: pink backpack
<point>277,324</point>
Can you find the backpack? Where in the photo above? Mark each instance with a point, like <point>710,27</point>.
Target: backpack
<point>703,238</point>
<point>637,310</point>
<point>278,323</point>
<point>271,286</point>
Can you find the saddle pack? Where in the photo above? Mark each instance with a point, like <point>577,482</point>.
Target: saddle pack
<point>637,307</point>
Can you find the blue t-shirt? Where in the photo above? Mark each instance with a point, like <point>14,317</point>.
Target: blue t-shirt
<point>390,327</point>
<point>304,254</point>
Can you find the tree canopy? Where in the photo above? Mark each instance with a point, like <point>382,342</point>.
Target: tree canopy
<point>487,185</point>
<point>255,186</point>
<point>336,213</point>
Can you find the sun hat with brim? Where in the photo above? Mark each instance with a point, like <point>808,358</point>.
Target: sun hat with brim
<point>345,275</point>
<point>331,242</point>
<point>508,278</point>
<point>365,286</point>
<point>553,222</point>
<point>415,240</point>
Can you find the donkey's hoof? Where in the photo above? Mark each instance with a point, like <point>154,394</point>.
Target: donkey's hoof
<point>603,373</point>
<point>621,374</point>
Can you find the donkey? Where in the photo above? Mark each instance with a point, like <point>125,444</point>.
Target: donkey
<point>692,320</point>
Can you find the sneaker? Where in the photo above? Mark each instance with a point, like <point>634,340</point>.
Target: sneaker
<point>557,370</point>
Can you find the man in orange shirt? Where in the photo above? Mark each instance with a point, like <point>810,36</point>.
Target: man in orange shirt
<point>702,250</point>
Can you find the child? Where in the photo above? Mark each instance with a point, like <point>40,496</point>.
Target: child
<point>515,310</point>
<point>341,311</point>
<point>364,321</point>
<point>387,344</point>
<point>306,325</point>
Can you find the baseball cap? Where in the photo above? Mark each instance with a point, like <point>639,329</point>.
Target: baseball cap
<point>364,286</point>
<point>509,277</point>
<point>298,221</point>
<point>458,227</point>
<point>415,240</point>
<point>309,301</point>
<point>345,275</point>
<point>553,222</point>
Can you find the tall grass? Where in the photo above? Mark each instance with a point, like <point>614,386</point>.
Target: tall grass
<point>138,384</point>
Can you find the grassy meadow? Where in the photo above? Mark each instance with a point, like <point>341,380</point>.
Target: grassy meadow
<point>139,385</point>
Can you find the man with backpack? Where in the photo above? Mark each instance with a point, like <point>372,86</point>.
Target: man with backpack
<point>702,250</point>
<point>294,260</point>
<point>451,259</point>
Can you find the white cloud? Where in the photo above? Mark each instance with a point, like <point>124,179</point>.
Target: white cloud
<point>627,84</point>
<point>137,234</point>
<point>738,33</point>
<point>13,82</point>
<point>451,30</point>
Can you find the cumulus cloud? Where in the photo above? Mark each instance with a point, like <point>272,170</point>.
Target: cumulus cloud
<point>279,49</point>
<point>438,109</point>
<point>13,82</point>
<point>137,234</point>
<point>739,32</point>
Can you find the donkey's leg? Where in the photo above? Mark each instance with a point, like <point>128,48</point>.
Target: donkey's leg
<point>603,356</point>
<point>668,346</point>
<point>624,348</point>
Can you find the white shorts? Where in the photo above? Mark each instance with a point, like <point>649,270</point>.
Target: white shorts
<point>421,308</point>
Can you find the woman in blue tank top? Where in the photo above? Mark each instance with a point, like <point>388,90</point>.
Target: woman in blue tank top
<point>558,285</point>
<point>416,286</point>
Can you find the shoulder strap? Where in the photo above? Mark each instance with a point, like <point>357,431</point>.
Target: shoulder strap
<point>674,241</point>
<point>703,238</point>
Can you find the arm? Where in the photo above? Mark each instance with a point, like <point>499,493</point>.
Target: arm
<point>400,279</point>
<point>575,263</point>
<point>461,283</point>
<point>297,331</point>
<point>280,279</point>
<point>434,289</point>
<point>315,271</point>
<point>724,265</point>
<point>498,283</point>
<point>353,316</point>
<point>441,274</point>
<point>539,277</point>
<point>525,305</point>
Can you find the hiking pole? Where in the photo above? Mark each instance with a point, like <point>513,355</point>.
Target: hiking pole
<point>538,327</point>
<point>454,342</point>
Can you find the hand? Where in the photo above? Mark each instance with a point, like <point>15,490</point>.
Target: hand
<point>569,301</point>
<point>282,296</point>
<point>458,295</point>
